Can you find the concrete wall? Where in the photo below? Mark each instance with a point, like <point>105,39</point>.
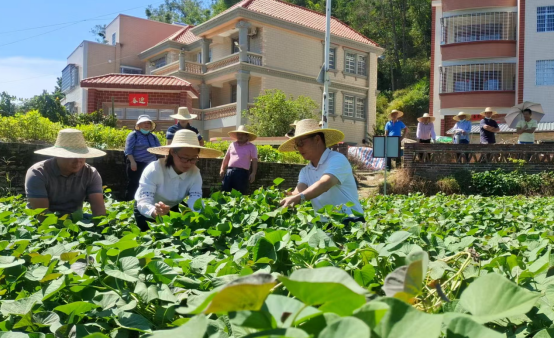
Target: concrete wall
<point>101,59</point>
<point>112,170</point>
<point>538,46</point>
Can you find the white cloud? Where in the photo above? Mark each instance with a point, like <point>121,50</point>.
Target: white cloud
<point>25,77</point>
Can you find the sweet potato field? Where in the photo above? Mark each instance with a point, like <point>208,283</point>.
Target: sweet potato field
<point>441,266</point>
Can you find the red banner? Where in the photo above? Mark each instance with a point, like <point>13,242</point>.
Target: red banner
<point>138,99</point>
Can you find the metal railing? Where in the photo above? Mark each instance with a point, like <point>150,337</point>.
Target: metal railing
<point>479,27</point>
<point>478,77</point>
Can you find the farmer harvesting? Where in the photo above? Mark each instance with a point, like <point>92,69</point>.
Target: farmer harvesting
<point>137,157</point>
<point>395,128</point>
<point>166,182</point>
<point>328,177</point>
<point>184,117</point>
<point>61,184</point>
<point>240,157</point>
<point>488,127</point>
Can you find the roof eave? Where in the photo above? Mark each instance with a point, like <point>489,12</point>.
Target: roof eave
<point>160,48</point>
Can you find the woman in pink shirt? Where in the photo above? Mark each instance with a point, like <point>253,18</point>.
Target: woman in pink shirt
<point>235,168</point>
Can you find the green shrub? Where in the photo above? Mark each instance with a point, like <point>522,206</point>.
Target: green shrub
<point>96,117</point>
<point>500,182</point>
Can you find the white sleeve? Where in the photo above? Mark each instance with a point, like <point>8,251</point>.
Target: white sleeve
<point>195,191</point>
<point>302,178</point>
<point>148,184</point>
<point>339,167</point>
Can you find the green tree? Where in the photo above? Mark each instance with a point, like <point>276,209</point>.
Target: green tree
<point>190,12</point>
<point>7,105</point>
<point>99,32</point>
<point>273,112</point>
<point>413,101</point>
<point>47,104</point>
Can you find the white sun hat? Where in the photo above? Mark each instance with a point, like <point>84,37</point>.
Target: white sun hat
<point>426,115</point>
<point>183,114</point>
<point>243,129</point>
<point>185,138</point>
<point>71,144</point>
<point>145,118</point>
<point>310,126</point>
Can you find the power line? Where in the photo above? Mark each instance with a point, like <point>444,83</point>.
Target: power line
<point>39,27</point>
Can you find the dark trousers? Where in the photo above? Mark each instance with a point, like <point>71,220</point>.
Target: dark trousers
<point>424,141</point>
<point>142,220</point>
<point>133,178</point>
<point>347,221</point>
<point>236,178</point>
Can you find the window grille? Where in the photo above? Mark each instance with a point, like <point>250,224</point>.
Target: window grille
<point>545,19</point>
<point>545,73</point>
<point>478,77</point>
<point>331,103</point>
<point>479,27</point>
<point>348,106</point>
<point>360,108</point>
<point>160,62</point>
<point>332,53</point>
<point>350,66</point>
<point>361,65</point>
<point>70,77</point>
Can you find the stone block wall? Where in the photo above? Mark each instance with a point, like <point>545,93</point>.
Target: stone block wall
<point>16,158</point>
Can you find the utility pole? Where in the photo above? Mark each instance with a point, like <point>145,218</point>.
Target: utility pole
<point>325,105</point>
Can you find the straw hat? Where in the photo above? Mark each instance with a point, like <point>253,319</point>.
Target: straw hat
<point>309,126</point>
<point>294,123</point>
<point>243,129</point>
<point>145,118</point>
<point>489,109</point>
<point>183,114</point>
<point>185,138</point>
<point>400,113</point>
<point>426,115</point>
<point>71,144</point>
<point>320,123</point>
<point>457,117</point>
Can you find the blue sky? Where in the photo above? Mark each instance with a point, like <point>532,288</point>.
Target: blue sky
<point>31,59</point>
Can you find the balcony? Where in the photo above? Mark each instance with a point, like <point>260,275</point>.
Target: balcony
<point>478,27</point>
<point>457,5</point>
<point>197,68</point>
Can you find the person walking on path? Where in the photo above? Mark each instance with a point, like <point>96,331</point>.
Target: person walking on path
<point>61,184</point>
<point>426,129</point>
<point>395,128</point>
<point>184,117</point>
<point>488,126</point>
<point>240,156</point>
<point>328,178</point>
<point>166,182</point>
<point>526,128</point>
<point>137,156</point>
<point>462,128</point>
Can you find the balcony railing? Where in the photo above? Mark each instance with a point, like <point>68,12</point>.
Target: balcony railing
<point>478,77</point>
<point>479,27</point>
<point>220,111</point>
<point>167,69</point>
<point>193,67</point>
<point>196,68</point>
<point>226,61</point>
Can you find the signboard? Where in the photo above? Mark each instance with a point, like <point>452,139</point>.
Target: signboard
<point>138,99</point>
<point>392,147</point>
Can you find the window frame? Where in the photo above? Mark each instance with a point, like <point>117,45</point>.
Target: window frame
<point>333,63</point>
<point>332,110</point>
<point>233,93</point>
<point>356,69</point>
<point>164,57</point>
<point>113,39</point>
<point>344,96</point>
<point>364,108</point>
<point>542,25</point>
<point>121,67</point>
<point>355,116</point>
<point>545,79</point>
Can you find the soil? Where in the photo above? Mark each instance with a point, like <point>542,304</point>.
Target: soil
<point>368,182</point>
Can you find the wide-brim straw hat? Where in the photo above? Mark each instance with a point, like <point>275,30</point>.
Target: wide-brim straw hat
<point>426,115</point>
<point>310,126</point>
<point>488,109</point>
<point>145,118</point>
<point>71,144</point>
<point>294,123</point>
<point>185,138</point>
<point>243,129</point>
<point>183,114</point>
<point>400,113</point>
<point>457,117</point>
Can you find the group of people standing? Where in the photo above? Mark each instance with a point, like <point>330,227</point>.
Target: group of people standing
<point>160,178</point>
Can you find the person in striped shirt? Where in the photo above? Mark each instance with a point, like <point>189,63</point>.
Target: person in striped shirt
<point>425,129</point>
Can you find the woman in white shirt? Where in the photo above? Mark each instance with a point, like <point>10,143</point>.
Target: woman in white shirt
<point>166,182</point>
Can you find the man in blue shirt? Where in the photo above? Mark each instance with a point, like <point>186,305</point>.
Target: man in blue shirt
<point>488,127</point>
<point>395,128</point>
<point>184,118</point>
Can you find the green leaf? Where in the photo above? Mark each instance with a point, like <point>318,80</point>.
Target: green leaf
<point>437,269</point>
<point>279,333</point>
<point>133,321</point>
<point>278,181</point>
<point>400,322</point>
<point>195,328</point>
<point>492,297</point>
<point>406,282</point>
<point>284,310</point>
<point>9,261</point>
<point>53,288</point>
<point>465,327</point>
<point>347,327</point>
<point>397,237</point>
<point>45,318</point>
<point>19,307</point>
<point>372,313</point>
<point>330,287</point>
<point>78,307</point>
<point>128,270</point>
<point>545,333</point>
<point>162,272</point>
<point>364,276</point>
<point>79,267</point>
<point>264,249</point>
<point>11,334</point>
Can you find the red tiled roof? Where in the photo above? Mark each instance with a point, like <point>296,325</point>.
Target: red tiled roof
<point>184,36</point>
<point>301,16</point>
<point>156,82</point>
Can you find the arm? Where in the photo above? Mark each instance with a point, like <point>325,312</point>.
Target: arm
<point>97,204</point>
<point>254,157</point>
<point>318,188</point>
<point>195,191</point>
<point>225,162</point>
<point>433,134</point>
<point>35,203</point>
<point>418,131</point>
<point>404,133</point>
<point>147,190</point>
<point>130,148</point>
<point>35,189</point>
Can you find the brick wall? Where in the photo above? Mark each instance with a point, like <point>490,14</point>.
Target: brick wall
<point>97,97</point>
<point>443,167</point>
<point>112,169</point>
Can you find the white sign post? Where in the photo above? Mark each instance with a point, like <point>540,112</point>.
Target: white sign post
<point>386,147</point>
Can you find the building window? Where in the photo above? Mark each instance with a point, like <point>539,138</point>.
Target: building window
<point>233,93</point>
<point>479,27</point>
<point>332,54</point>
<point>360,108</point>
<point>348,106</point>
<point>165,114</point>
<point>130,70</point>
<point>361,65</point>
<point>160,62</point>
<point>478,77</point>
<point>545,19</point>
<point>70,77</point>
<point>350,66</point>
<point>331,103</point>
<point>545,73</point>
<point>113,39</point>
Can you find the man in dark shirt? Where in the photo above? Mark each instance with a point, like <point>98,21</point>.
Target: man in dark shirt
<point>488,127</point>
<point>184,117</point>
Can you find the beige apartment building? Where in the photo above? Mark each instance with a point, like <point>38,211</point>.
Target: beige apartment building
<point>254,46</point>
<point>492,53</point>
